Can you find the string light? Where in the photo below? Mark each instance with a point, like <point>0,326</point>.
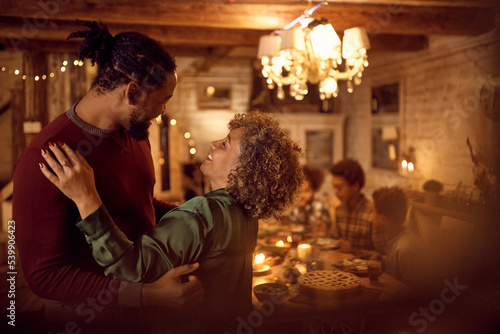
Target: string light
<point>187,135</point>
<point>40,77</point>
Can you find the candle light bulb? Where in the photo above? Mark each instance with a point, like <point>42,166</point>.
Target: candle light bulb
<point>410,167</point>
<point>404,163</point>
<point>304,251</point>
<point>258,261</point>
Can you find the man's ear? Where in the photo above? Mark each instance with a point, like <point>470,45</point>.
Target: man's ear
<point>357,185</point>
<point>133,93</point>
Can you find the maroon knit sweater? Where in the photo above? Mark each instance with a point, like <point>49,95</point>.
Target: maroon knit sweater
<point>55,258</point>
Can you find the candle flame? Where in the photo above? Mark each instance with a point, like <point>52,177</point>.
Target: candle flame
<point>259,258</point>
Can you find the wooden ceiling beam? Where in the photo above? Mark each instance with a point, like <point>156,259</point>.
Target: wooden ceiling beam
<point>16,29</point>
<point>403,17</point>
<point>55,33</point>
<point>456,3</point>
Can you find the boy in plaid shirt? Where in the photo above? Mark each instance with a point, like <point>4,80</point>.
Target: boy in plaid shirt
<point>353,216</point>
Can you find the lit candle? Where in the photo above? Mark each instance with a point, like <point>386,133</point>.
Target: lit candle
<point>280,243</point>
<point>404,165</point>
<point>258,262</point>
<point>304,251</point>
<point>411,168</point>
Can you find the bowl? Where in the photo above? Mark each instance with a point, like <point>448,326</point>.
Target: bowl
<point>274,292</point>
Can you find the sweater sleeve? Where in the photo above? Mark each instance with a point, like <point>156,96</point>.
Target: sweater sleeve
<point>161,208</point>
<point>51,250</point>
<point>177,239</point>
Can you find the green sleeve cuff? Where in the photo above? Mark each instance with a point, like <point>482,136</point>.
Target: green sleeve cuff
<point>96,224</point>
<point>108,243</point>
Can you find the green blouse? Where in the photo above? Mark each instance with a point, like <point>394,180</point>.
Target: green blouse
<point>212,229</point>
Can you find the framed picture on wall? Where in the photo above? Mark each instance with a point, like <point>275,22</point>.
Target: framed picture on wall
<point>214,97</point>
<point>320,144</point>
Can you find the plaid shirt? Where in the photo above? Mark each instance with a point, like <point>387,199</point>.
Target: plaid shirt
<point>355,226</point>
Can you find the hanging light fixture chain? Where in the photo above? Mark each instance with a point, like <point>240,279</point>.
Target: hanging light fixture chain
<point>307,13</point>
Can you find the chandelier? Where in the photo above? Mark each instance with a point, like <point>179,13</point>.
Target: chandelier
<point>312,53</point>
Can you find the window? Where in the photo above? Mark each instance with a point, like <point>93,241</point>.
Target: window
<point>385,127</point>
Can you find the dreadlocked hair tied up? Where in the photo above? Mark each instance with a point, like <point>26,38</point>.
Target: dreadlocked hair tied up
<point>128,56</point>
<point>269,175</point>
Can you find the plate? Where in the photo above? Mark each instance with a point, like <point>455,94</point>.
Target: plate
<point>265,270</point>
<point>361,270</point>
<point>357,267</point>
<point>327,243</point>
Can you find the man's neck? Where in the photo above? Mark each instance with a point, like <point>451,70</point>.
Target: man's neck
<point>99,110</point>
<point>354,201</point>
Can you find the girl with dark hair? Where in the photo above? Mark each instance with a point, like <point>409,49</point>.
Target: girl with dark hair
<point>311,212</point>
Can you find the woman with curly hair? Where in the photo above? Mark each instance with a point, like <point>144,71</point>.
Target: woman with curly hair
<point>255,173</point>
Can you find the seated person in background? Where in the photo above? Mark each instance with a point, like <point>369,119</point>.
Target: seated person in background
<point>310,211</point>
<point>405,255</point>
<point>218,230</point>
<point>353,216</point>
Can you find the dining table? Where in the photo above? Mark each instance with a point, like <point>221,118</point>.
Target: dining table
<point>312,313</point>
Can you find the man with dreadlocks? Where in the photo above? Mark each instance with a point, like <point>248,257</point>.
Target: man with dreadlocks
<point>135,78</point>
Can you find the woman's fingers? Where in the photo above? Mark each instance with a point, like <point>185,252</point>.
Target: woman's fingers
<point>53,163</point>
<point>74,158</point>
<point>61,157</point>
<point>51,177</point>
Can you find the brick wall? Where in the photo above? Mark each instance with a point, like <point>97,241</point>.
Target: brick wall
<point>440,107</point>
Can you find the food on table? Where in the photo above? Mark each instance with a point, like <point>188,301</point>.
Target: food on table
<point>329,283</point>
<point>275,292</point>
<point>355,266</point>
<point>327,243</point>
<point>291,275</point>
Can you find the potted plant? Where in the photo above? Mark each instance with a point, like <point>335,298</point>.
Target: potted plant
<point>432,189</point>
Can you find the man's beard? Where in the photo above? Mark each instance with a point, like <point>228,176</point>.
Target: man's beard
<point>139,127</point>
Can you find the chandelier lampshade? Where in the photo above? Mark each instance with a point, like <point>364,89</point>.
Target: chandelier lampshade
<point>355,40</point>
<point>325,42</point>
<point>269,46</point>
